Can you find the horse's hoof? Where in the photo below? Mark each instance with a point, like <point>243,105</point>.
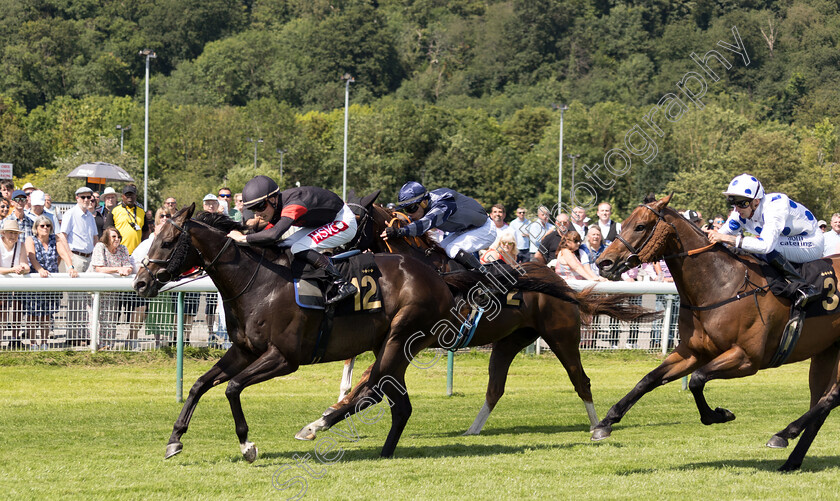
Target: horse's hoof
<point>306,433</point>
<point>725,414</point>
<point>719,415</point>
<point>777,442</point>
<point>249,451</point>
<point>173,449</point>
<point>788,466</point>
<point>600,433</point>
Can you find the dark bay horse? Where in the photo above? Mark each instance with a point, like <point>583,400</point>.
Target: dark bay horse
<point>548,308</point>
<point>272,337</point>
<point>728,339</point>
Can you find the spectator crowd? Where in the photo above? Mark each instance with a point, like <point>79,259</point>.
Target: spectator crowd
<point>102,233</point>
<point>111,233</point>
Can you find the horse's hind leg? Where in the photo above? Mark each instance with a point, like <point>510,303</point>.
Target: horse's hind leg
<point>822,374</point>
<point>565,343</point>
<point>310,431</point>
<point>675,366</point>
<point>811,421</point>
<point>269,365</point>
<point>502,355</point>
<point>733,363</point>
<point>228,366</point>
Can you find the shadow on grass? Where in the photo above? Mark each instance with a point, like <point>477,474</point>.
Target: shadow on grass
<point>419,452</point>
<point>810,465</point>
<point>547,429</point>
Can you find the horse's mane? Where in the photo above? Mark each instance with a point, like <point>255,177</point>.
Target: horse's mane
<point>219,221</point>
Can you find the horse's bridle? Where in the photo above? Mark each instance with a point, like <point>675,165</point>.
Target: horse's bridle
<point>164,275</point>
<point>633,260</point>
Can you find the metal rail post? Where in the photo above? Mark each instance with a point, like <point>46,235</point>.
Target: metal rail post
<point>179,370</point>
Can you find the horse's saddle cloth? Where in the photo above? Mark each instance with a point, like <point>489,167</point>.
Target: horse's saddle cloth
<point>360,269</point>
<point>500,279</point>
<point>820,273</point>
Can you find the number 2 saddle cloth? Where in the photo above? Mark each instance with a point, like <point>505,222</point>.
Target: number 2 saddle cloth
<point>359,269</point>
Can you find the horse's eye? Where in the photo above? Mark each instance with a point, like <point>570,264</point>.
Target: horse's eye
<point>640,227</point>
<point>166,245</point>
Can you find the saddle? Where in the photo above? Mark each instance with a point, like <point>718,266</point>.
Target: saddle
<point>311,284</point>
<point>820,273</point>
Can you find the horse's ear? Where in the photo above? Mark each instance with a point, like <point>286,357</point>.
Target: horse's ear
<point>368,200</point>
<point>190,210</point>
<point>351,197</point>
<point>663,202</point>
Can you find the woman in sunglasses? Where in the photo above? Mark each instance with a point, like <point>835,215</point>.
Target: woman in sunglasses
<point>468,226</point>
<point>785,231</point>
<point>322,219</point>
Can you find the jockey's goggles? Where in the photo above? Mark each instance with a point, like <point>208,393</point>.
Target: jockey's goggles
<point>260,206</point>
<point>411,208</point>
<point>741,203</point>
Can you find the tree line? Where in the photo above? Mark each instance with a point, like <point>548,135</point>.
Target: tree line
<point>452,93</point>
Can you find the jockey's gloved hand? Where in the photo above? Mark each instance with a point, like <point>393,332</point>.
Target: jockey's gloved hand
<point>391,232</point>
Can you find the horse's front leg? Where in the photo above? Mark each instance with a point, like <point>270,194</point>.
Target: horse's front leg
<point>228,366</point>
<point>675,366</point>
<point>269,365</point>
<point>733,363</point>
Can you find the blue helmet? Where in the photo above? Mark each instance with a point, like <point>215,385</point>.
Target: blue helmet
<point>412,192</point>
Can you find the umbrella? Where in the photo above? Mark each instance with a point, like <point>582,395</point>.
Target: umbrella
<point>101,170</point>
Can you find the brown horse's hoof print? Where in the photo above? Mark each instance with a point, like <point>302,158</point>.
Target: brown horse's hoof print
<point>600,434</point>
<point>173,449</point>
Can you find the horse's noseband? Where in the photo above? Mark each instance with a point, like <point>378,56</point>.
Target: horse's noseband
<point>633,260</point>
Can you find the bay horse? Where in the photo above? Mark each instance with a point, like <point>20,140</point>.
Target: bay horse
<point>548,308</point>
<point>729,325</point>
<point>272,337</point>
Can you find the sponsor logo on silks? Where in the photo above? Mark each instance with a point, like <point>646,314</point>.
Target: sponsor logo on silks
<point>327,231</point>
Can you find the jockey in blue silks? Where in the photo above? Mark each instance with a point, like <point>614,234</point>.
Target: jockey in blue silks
<point>786,231</point>
<point>468,226</point>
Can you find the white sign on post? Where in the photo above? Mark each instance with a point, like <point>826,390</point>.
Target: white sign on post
<point>5,171</point>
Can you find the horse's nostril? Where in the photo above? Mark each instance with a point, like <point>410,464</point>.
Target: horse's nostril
<point>605,264</point>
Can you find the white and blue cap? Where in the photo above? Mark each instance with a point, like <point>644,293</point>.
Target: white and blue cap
<point>745,186</point>
<point>210,197</point>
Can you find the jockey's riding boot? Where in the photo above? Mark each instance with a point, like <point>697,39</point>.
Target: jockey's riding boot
<point>468,260</point>
<point>341,288</point>
<point>804,290</point>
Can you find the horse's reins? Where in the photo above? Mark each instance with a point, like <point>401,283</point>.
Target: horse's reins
<point>399,216</point>
<point>166,263</point>
<point>693,252</point>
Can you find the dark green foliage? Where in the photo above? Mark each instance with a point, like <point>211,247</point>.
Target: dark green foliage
<point>453,93</point>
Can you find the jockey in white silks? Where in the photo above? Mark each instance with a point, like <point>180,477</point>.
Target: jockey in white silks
<point>785,231</point>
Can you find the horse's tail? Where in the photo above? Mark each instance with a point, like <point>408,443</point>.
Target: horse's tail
<point>535,277</point>
<point>617,306</point>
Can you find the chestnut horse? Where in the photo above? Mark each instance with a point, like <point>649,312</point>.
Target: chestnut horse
<point>729,326</point>
<point>549,308</point>
<point>272,337</point>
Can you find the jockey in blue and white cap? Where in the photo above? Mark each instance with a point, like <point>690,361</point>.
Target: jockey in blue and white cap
<point>468,226</point>
<point>786,231</point>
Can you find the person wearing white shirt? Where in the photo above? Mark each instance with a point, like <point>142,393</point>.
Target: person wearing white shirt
<point>831,238</point>
<point>609,228</point>
<point>520,231</point>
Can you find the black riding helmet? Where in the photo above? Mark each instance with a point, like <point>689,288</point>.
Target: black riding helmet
<point>257,190</point>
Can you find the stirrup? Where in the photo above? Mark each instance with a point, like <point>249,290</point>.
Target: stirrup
<point>341,292</point>
<point>805,296</point>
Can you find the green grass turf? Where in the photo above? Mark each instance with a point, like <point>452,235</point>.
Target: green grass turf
<point>95,427</point>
